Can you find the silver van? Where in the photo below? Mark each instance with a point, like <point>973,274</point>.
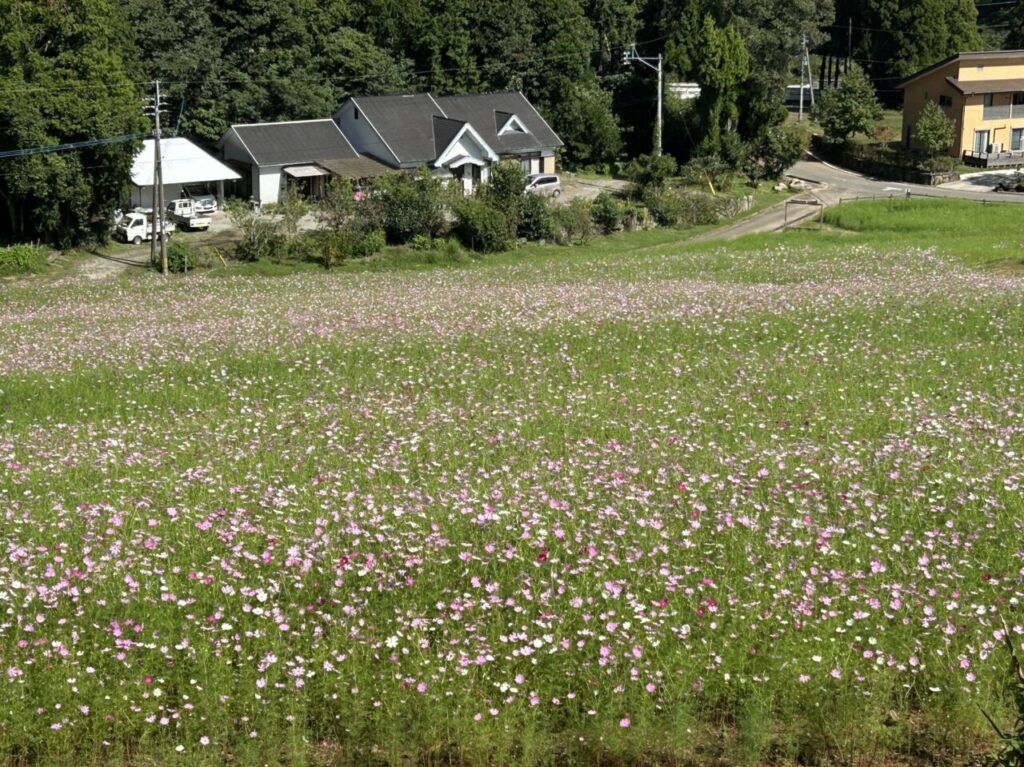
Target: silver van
<point>544,183</point>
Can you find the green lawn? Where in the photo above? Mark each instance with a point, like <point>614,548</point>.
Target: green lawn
<point>633,503</point>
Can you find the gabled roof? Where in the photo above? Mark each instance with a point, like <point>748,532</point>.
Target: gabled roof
<point>443,154</point>
<point>404,123</point>
<point>292,143</point>
<point>445,131</point>
<point>482,110</point>
<point>965,56</point>
<point>183,163</point>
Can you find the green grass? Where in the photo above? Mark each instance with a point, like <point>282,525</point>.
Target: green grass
<point>635,503</point>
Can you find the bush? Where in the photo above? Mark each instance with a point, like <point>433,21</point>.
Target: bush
<point>608,212</point>
<point>671,207</point>
<point>22,259</point>
<point>404,206</point>
<point>536,221</point>
<point>481,227</point>
<point>851,108</point>
<point>649,171</point>
<point>775,150</point>
<point>181,257</point>
<point>329,248</point>
<point>261,232</point>
<point>707,170</point>
<point>573,224</point>
<point>504,192</point>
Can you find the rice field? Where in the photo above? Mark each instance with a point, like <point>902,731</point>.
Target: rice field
<point>737,504</point>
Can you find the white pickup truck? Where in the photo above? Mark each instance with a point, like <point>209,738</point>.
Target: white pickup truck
<point>185,212</point>
<point>136,226</point>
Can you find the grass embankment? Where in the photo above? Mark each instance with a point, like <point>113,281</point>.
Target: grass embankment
<point>737,503</point>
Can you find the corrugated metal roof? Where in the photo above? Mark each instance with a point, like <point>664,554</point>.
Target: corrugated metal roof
<point>482,111</point>
<point>183,163</point>
<point>406,123</point>
<point>294,143</point>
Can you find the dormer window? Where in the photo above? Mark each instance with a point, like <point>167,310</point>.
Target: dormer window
<point>513,125</point>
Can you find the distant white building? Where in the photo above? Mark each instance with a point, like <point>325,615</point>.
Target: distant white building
<point>185,166</point>
<point>683,91</point>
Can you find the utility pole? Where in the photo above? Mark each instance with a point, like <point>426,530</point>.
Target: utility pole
<point>805,67</point>
<point>656,64</point>
<point>849,43</point>
<point>158,187</point>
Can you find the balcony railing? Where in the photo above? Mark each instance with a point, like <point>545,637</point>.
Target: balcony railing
<point>994,159</point>
<point>996,112</point>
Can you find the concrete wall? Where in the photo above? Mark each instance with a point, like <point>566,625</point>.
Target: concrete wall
<point>969,71</point>
<point>268,185</point>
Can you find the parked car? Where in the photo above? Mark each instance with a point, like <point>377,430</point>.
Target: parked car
<point>204,204</point>
<point>544,183</point>
<point>186,213</point>
<point>136,226</point>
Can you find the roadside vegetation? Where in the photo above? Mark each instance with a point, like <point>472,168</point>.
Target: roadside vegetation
<point>735,502</point>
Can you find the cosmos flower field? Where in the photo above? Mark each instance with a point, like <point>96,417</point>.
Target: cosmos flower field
<point>740,504</point>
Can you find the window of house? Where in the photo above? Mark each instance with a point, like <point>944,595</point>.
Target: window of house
<point>1018,99</point>
<point>1017,139</point>
<point>987,99</point>
<point>945,101</point>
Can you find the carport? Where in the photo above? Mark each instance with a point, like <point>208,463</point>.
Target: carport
<point>185,166</point>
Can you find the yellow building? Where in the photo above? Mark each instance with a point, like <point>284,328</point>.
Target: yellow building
<point>983,93</point>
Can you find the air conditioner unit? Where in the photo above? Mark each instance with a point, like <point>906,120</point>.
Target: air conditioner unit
<point>995,148</point>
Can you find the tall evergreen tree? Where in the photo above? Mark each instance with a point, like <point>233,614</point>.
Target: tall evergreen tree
<point>64,78</point>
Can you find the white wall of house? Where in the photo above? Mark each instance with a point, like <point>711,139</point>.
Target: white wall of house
<point>361,134</point>
<point>269,184</point>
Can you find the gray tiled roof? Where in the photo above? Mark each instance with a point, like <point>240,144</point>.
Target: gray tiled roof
<point>445,131</point>
<point>288,143</point>
<point>406,123</point>
<point>481,110</point>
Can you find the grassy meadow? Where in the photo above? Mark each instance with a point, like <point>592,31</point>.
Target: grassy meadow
<point>638,503</point>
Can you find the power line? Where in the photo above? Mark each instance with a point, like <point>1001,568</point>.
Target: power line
<point>11,153</point>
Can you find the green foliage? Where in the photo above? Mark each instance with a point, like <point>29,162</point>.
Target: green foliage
<point>1010,752</point>
<point>708,171</point>
<point>572,223</point>
<point>482,227</point>
<point>673,207</point>
<point>933,130</point>
<point>261,235</point>
<point>66,75</point>
<point>649,171</point>
<point>22,259</point>
<point>181,256</point>
<point>775,150</point>
<point>536,220</point>
<point>504,192</point>
<point>851,108</point>
<point>404,205</point>
<point>608,212</point>
<point>587,125</point>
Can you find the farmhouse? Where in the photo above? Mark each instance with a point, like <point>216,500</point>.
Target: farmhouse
<point>983,93</point>
<point>304,152</point>
<point>457,137</point>
<point>185,166</point>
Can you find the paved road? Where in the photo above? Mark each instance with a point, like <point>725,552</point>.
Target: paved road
<point>849,185</point>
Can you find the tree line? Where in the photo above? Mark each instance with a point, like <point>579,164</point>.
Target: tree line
<point>79,69</point>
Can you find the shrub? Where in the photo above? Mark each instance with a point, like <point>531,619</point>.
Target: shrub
<point>481,227</point>
<point>934,130</point>
<point>608,212</point>
<point>404,206</point>
<point>649,171</point>
<point>707,170</point>
<point>775,150</point>
<point>261,232</point>
<point>181,257</point>
<point>22,259</point>
<point>536,221</point>
<point>421,242</point>
<point>573,224</point>
<point>504,192</point>
<point>671,207</point>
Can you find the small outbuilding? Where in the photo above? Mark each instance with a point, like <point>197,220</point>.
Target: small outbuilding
<point>185,167</point>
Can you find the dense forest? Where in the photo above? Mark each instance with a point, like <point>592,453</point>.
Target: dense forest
<point>75,70</point>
